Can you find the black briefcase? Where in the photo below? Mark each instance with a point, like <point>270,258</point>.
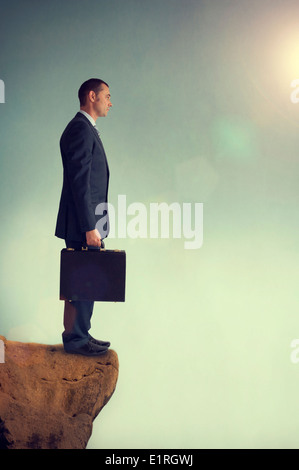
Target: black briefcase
<point>98,275</point>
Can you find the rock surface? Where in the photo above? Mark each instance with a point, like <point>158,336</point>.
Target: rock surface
<point>49,399</point>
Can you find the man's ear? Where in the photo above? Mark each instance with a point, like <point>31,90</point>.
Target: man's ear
<point>92,96</point>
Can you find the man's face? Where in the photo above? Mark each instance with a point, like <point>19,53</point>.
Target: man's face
<point>102,102</point>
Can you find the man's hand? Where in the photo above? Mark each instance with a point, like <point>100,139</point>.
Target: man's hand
<point>93,238</point>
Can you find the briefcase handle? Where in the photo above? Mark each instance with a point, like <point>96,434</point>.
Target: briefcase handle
<point>85,248</point>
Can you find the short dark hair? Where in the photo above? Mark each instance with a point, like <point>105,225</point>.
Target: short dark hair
<point>93,84</point>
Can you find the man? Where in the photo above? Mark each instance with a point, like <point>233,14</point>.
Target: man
<point>85,185</point>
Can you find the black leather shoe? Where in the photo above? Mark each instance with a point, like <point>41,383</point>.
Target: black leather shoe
<point>89,349</point>
<point>99,342</point>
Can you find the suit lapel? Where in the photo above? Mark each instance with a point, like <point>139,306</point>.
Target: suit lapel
<point>101,144</point>
<point>80,115</point>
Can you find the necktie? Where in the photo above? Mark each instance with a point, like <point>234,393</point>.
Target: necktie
<point>97,131</point>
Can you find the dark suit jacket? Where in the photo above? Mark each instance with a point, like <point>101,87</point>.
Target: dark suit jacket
<point>85,181</point>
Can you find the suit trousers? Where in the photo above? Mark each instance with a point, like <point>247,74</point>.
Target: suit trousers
<point>77,315</point>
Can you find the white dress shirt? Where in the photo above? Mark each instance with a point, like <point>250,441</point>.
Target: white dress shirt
<point>88,117</point>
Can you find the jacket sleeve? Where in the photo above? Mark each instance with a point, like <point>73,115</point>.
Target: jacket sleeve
<point>78,161</point>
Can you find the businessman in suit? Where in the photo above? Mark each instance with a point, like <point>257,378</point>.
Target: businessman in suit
<point>85,185</point>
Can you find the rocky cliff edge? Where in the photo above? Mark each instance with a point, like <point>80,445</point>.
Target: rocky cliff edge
<point>49,399</point>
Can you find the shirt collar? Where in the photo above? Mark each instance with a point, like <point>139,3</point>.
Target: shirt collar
<point>88,116</point>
